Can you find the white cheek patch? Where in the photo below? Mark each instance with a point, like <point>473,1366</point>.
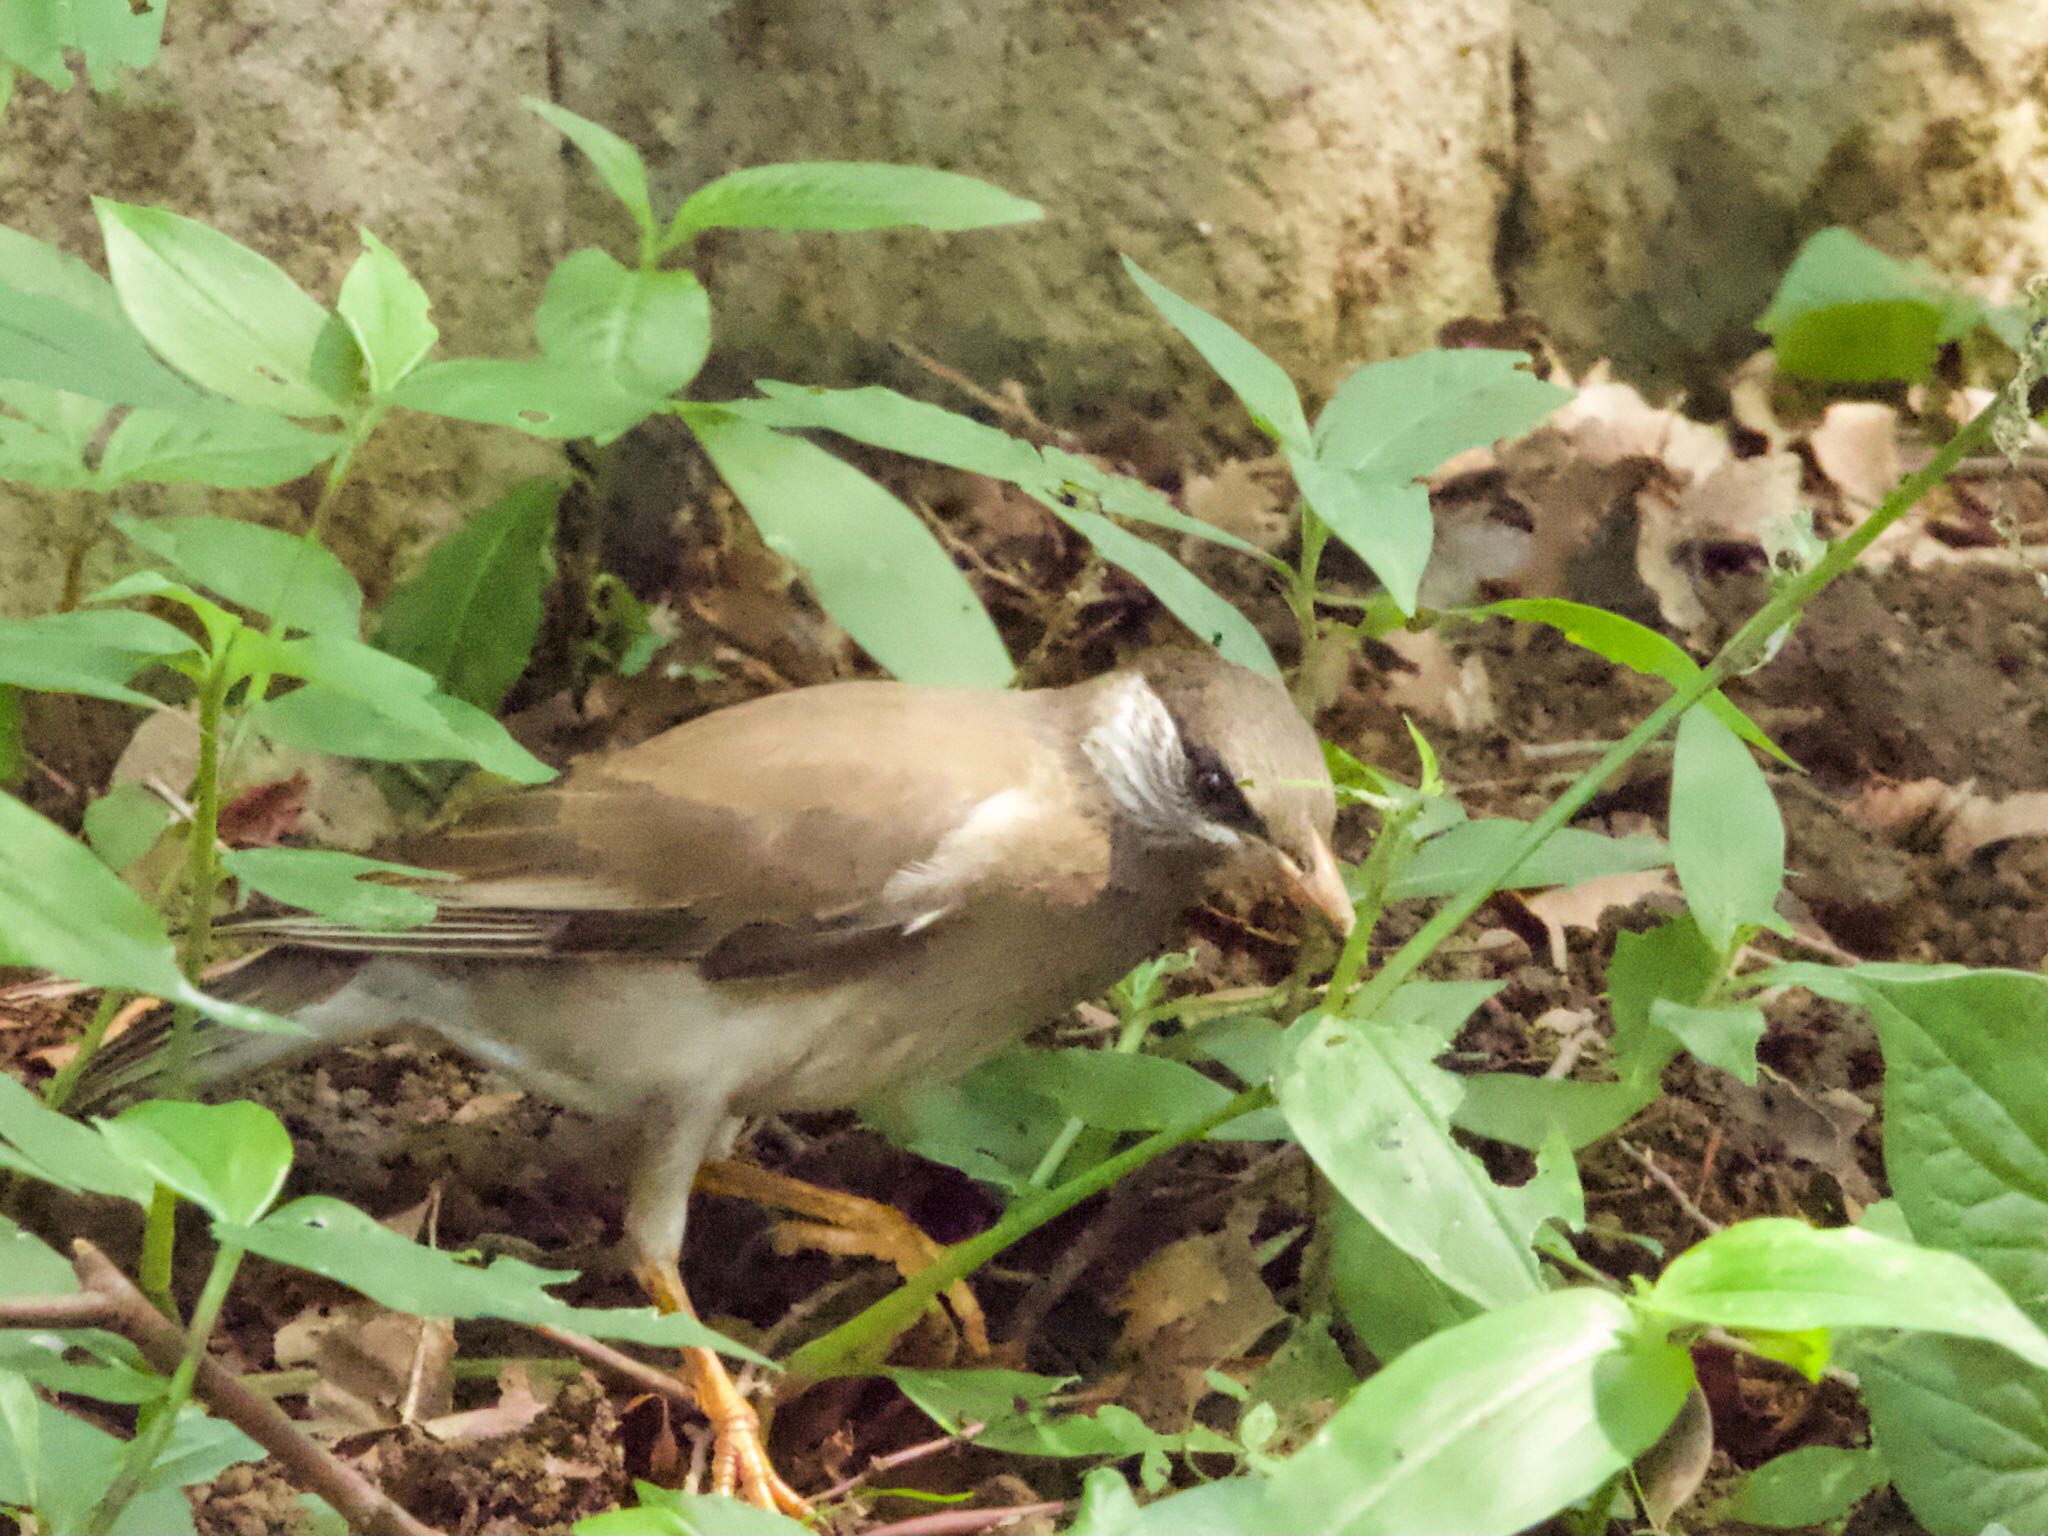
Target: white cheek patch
<point>1136,749</point>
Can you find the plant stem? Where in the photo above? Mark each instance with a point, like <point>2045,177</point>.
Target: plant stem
<point>862,1340</point>
<point>159,1247</point>
<point>144,1449</point>
<point>59,1088</point>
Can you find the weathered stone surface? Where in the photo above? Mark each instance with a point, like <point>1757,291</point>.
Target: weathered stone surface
<point>1674,156</point>
<point>1326,175</point>
<point>289,127</point>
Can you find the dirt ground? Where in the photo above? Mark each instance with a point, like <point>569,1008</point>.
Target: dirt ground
<point>1915,697</point>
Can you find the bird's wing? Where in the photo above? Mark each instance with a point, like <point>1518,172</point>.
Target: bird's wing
<point>813,828</point>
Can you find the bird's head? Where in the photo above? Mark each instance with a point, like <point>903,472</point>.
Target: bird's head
<point>1203,753</point>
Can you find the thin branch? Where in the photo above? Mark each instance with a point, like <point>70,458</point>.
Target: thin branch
<point>895,1459</point>
<point>83,1310</point>
<point>1671,1187</point>
<point>967,1522</point>
<point>354,1497</point>
<point>636,1373</point>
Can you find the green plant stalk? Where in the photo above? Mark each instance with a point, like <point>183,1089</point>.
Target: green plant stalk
<point>202,863</point>
<point>159,1248</point>
<point>58,1090</point>
<point>1128,1042</point>
<point>1390,850</point>
<point>148,1445</point>
<point>1301,598</point>
<point>864,1337</point>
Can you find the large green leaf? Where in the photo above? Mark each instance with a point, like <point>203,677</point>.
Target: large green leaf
<point>845,195</point>
<point>1782,1276</point>
<point>228,1159</point>
<point>1257,381</point>
<point>1727,838</point>
<point>225,447</point>
<point>62,910</point>
<point>1401,419</point>
<point>334,1239</point>
<point>1529,1111</point>
<point>873,565</point>
<point>89,651</point>
<point>1118,1092</point>
<point>1848,313</point>
<point>53,339</point>
<point>1814,1485</point>
<point>1388,1300</point>
<point>294,580</point>
<point>109,35</point>
<point>38,1141</point>
<point>1966,1116</point>
<point>645,332</point>
<point>1486,1428</point>
<point>221,314</point>
<point>470,612</point>
<point>1963,1430</point>
<point>1373,1109</point>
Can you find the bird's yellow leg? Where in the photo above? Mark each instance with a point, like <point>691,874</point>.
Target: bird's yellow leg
<point>846,1224</point>
<point>739,1452</point>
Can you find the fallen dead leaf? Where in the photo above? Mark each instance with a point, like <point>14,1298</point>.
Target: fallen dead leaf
<point>1856,446</point>
<point>517,1406</point>
<point>1242,497</point>
<point>1583,905</point>
<point>377,1368</point>
<point>1438,688</point>
<point>1191,1306</point>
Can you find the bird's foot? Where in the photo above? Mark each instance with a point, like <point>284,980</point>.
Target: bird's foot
<point>851,1226</point>
<point>740,1467</point>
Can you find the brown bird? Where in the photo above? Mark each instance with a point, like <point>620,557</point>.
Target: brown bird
<point>801,901</point>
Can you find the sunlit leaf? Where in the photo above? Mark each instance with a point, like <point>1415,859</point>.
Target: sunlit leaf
<point>845,195</point>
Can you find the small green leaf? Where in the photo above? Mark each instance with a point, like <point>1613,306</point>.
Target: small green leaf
<point>1724,1037</point>
<point>1672,962</point>
<point>1529,1111</point>
<point>228,1159</point>
<point>1569,856</point>
<point>1814,1485</point>
<point>1015,1411</point>
<point>333,1239</point>
<point>845,195</point>
<point>62,910</point>
<point>1259,382</point>
<point>231,448</point>
<point>45,435</point>
<point>1372,1108</point>
<point>291,579</point>
<point>53,1147</point>
<point>335,885</point>
<point>1387,523</point>
<point>1402,419</point>
<point>986,1124</point>
<point>1118,1092</point>
<point>1629,644</point>
<point>644,333</point>
<point>874,567</point>
<point>1848,313</point>
<point>1727,838</point>
<point>1784,1276</point>
<point>385,309</point>
<point>886,419</point>
<point>93,652</point>
<point>1487,1428</point>
<point>217,311</point>
<point>124,824</point>
<point>471,611</point>
<point>617,163</point>
<point>541,397</point>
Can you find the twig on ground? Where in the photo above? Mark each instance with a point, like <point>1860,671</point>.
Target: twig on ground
<point>1671,1187</point>
<point>895,1459</point>
<point>967,1522</point>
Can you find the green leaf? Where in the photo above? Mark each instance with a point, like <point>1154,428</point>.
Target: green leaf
<point>1212,619</point>
<point>1724,1036</point>
<point>541,398</point>
<point>1259,382</point>
<point>44,436</point>
<point>1629,644</point>
<point>1783,1276</point>
<point>987,1124</point>
<point>1015,1409</point>
<point>334,1239</point>
<point>643,333</point>
<point>1963,1430</point>
<point>1848,313</point>
<point>199,1450</point>
<point>1387,523</point>
<point>109,34</point>
<point>335,886</point>
<point>124,823</point>
<point>1966,1116</point>
<point>883,418</point>
<point>1372,1108</point>
<point>28,1265</point>
<point>228,1159</point>
<point>873,566</point>
<point>347,721</point>
<point>218,312</point>
<point>1727,838</point>
<point>281,575</point>
<point>670,1512</point>
<point>1489,1427</point>
<point>472,610</point>
<point>1402,419</point>
<point>62,910</point>
<point>1388,1300</point>
<point>93,652</point>
<point>53,1147</point>
<point>845,195</point>
<point>228,448</point>
<point>1672,962</point>
<point>1570,856</point>
<point>75,1463</point>
<point>617,163</point>
<point>1119,1092</point>
<point>56,339</point>
<point>1814,1485</point>
<point>385,309</point>
<point>1529,1111</point>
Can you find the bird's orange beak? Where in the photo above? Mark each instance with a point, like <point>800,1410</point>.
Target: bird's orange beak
<point>1321,886</point>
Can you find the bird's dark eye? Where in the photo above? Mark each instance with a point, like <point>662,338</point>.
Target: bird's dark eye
<point>1217,795</point>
